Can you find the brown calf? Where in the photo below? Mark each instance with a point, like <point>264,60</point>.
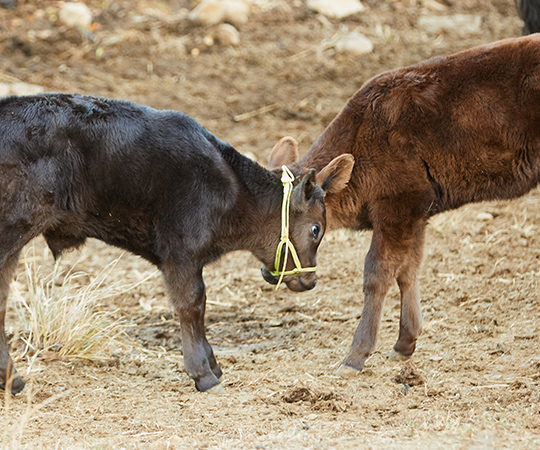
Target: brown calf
<point>426,139</point>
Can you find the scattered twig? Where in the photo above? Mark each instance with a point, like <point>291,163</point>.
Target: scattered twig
<point>9,78</point>
<point>257,112</point>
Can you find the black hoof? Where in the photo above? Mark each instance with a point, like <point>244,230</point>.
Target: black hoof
<point>16,386</point>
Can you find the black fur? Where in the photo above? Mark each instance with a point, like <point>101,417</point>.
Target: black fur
<point>155,183</point>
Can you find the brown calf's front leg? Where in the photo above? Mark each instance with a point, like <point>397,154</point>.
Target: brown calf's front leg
<point>188,297</point>
<point>395,252</point>
<point>8,374</point>
<point>378,277</point>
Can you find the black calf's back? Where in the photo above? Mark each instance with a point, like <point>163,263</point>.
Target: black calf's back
<point>117,171</point>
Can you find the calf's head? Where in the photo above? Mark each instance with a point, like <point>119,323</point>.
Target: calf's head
<point>332,176</point>
<point>303,223</point>
<point>307,217</point>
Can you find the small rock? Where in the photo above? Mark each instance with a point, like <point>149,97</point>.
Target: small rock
<point>5,89</point>
<point>251,156</point>
<point>208,40</point>
<point>434,5</point>
<point>227,35</point>
<point>336,9</point>
<point>237,12</point>
<point>75,15</point>
<point>355,43</point>
<point>26,89</point>
<point>459,24</point>
<point>212,12</point>
<point>484,216</point>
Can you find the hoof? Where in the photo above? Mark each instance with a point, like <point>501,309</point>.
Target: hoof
<point>398,356</point>
<point>215,390</point>
<point>347,371</point>
<point>16,386</point>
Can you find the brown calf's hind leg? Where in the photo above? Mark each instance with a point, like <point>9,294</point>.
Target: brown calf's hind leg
<point>188,297</point>
<point>8,374</point>
<point>410,325</point>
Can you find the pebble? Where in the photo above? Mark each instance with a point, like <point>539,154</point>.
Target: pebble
<point>434,5</point>
<point>75,15</point>
<point>336,9</point>
<point>251,156</point>
<point>212,12</point>
<point>227,35</point>
<point>20,89</point>
<point>208,40</point>
<point>484,216</point>
<point>5,89</point>
<point>458,24</point>
<point>355,43</point>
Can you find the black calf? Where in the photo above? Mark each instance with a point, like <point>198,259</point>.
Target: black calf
<point>155,183</point>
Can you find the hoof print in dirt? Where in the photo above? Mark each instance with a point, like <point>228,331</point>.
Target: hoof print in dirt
<point>410,376</point>
<point>320,401</point>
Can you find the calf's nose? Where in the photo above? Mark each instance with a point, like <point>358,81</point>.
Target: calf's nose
<point>309,284</point>
<point>268,277</point>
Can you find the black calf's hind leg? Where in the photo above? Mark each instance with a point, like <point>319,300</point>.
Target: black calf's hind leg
<point>188,297</point>
<point>7,370</point>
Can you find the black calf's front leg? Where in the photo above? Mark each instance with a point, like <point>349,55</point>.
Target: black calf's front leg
<point>188,297</point>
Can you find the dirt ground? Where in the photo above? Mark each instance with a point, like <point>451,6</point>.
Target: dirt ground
<point>474,379</point>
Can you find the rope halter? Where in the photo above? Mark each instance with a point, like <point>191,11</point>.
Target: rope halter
<point>287,179</point>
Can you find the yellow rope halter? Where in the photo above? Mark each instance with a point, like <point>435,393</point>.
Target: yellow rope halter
<point>287,179</point>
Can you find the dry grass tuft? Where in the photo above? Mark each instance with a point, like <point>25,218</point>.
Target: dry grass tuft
<point>64,314</point>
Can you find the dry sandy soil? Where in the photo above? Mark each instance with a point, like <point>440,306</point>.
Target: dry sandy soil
<point>474,379</point>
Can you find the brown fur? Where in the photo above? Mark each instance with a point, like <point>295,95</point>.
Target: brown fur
<point>426,139</point>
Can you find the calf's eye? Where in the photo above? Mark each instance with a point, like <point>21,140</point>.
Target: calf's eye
<point>315,230</point>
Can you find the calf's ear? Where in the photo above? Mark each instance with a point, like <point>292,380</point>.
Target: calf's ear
<point>334,177</point>
<point>284,153</point>
<point>303,191</point>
